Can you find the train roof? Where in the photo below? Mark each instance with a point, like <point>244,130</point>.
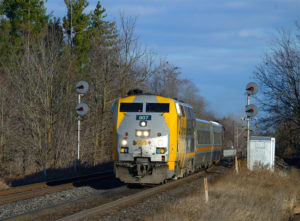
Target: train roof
<point>209,122</point>
<point>202,121</point>
<point>216,123</point>
<point>149,94</point>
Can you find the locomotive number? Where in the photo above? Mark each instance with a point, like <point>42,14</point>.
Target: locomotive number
<point>143,117</point>
<point>141,142</point>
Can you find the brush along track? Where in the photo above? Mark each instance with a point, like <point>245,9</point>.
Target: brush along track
<point>40,189</point>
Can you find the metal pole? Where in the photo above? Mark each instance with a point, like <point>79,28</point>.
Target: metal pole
<point>248,136</point>
<point>237,138</point>
<point>234,135</point>
<point>78,134</point>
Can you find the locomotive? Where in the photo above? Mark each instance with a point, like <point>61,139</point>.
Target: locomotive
<point>157,138</point>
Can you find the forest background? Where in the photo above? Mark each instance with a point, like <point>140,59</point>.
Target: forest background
<point>42,57</point>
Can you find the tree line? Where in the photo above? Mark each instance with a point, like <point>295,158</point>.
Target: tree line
<point>42,57</point>
<point>278,76</point>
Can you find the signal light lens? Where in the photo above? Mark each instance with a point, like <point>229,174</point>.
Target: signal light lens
<point>146,133</point>
<point>158,134</point>
<point>124,142</point>
<point>138,133</point>
<point>126,134</point>
<point>252,88</point>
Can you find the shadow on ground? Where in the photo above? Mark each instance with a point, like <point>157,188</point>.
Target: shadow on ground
<point>64,173</point>
<point>295,161</point>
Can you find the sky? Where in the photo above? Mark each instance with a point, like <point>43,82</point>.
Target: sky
<point>217,44</point>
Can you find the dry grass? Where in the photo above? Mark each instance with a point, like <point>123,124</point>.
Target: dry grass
<point>3,185</point>
<point>260,195</point>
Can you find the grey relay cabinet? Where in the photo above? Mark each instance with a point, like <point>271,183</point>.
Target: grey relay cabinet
<point>262,152</point>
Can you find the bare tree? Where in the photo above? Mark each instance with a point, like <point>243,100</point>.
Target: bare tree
<point>38,97</point>
<point>279,79</point>
<point>103,73</point>
<point>165,80</point>
<point>6,104</point>
<point>135,65</point>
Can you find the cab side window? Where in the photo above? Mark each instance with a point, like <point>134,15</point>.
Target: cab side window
<point>182,110</point>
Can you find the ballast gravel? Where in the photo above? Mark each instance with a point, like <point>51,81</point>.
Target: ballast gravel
<point>138,211</point>
<point>24,206</point>
<point>150,206</point>
<point>146,209</point>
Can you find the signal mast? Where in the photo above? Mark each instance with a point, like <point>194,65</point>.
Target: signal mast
<point>82,87</point>
<point>251,110</point>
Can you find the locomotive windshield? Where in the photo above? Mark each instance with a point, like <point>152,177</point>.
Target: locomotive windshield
<point>131,107</point>
<point>157,107</point>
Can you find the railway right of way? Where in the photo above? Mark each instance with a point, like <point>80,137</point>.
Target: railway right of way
<point>112,200</point>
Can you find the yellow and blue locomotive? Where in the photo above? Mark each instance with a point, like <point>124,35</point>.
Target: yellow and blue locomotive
<point>157,138</point>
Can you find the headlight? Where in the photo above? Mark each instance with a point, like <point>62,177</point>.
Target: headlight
<point>146,133</point>
<point>138,133</point>
<point>143,123</point>
<point>124,142</point>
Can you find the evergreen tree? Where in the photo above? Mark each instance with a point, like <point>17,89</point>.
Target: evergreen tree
<point>55,32</point>
<point>76,24</point>
<point>27,17</point>
<point>5,29</point>
<point>101,29</point>
<point>23,22</point>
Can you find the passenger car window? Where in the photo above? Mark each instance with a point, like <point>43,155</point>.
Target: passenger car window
<point>131,107</point>
<point>158,107</point>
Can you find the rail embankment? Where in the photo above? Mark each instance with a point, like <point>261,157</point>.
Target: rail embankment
<point>258,195</point>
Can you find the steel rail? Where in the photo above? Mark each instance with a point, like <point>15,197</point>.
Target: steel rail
<point>41,189</point>
<point>56,211</point>
<point>130,200</point>
<point>90,206</point>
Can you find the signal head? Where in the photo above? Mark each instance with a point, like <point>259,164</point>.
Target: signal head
<point>251,88</point>
<point>82,109</point>
<point>251,110</point>
<point>82,87</point>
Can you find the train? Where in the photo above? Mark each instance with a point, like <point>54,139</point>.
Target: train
<point>157,138</point>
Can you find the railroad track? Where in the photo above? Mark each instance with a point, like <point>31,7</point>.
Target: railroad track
<point>41,189</point>
<point>104,203</point>
<point>130,200</point>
